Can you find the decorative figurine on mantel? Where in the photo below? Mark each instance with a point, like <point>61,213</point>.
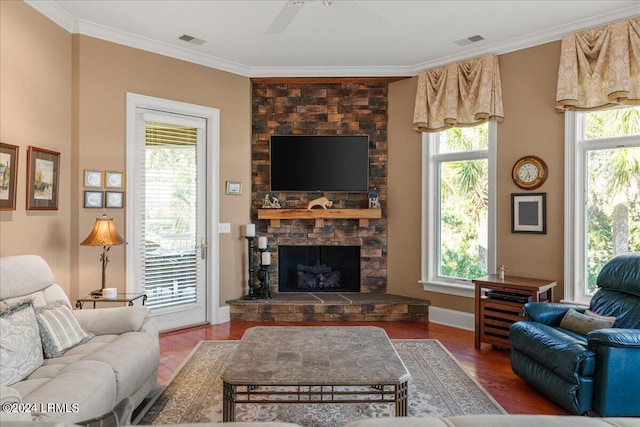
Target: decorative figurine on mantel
<point>374,203</point>
<point>271,203</point>
<point>501,271</point>
<point>320,201</point>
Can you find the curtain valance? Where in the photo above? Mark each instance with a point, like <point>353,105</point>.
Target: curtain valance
<point>600,67</point>
<point>460,94</point>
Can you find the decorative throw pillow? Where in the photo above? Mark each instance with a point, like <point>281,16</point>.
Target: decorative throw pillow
<point>582,323</point>
<point>20,346</point>
<point>59,329</point>
<point>611,319</point>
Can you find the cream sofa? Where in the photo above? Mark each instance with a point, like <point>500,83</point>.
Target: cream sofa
<point>114,367</point>
<point>456,421</point>
<point>498,421</point>
<point>464,421</point>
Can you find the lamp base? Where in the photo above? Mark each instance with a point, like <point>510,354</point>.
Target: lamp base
<point>97,292</point>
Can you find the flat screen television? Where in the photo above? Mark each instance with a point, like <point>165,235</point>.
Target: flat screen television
<point>310,163</point>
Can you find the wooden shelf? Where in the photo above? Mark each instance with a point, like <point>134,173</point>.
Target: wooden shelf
<point>319,215</point>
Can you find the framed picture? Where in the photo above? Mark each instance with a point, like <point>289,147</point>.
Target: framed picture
<point>92,179</point>
<point>529,213</point>
<point>234,188</point>
<point>43,172</point>
<point>8,176</point>
<point>114,199</point>
<point>93,199</point>
<point>113,180</point>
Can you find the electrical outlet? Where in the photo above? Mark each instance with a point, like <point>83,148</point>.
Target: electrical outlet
<point>224,227</point>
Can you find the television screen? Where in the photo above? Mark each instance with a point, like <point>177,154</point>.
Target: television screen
<point>310,163</point>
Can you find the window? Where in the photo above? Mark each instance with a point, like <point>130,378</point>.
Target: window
<point>602,187</point>
<point>458,219</point>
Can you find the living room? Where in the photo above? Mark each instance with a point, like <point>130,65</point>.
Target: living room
<point>66,92</point>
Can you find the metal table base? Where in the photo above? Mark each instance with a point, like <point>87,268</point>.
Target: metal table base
<point>379,393</point>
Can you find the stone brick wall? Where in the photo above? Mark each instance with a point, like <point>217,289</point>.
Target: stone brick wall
<point>331,107</point>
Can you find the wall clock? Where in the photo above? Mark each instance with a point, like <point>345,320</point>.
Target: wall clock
<point>529,172</point>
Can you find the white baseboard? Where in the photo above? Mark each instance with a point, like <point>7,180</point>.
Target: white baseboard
<point>448,317</point>
<point>223,315</point>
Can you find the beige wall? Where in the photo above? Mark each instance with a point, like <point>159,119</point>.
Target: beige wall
<point>35,110</point>
<point>67,93</point>
<point>105,73</point>
<point>404,193</point>
<point>531,126</point>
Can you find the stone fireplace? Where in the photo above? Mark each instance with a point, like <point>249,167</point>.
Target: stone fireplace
<point>327,106</point>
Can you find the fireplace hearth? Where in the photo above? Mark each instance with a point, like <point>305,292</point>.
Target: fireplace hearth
<point>318,269</point>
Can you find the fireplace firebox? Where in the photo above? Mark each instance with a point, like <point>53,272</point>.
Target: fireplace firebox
<point>318,268</point>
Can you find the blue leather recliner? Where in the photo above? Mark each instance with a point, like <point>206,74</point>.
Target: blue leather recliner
<point>597,372</point>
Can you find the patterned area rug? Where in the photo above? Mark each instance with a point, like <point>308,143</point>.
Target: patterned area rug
<point>438,387</point>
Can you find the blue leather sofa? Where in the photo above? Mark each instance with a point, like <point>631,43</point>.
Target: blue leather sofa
<point>597,372</point>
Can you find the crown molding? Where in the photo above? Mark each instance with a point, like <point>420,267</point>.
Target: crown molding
<point>127,39</point>
<point>323,79</point>
<point>77,26</point>
<point>61,17</point>
<point>338,71</point>
<point>55,13</point>
<point>531,40</point>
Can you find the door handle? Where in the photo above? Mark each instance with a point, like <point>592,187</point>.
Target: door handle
<point>203,248</point>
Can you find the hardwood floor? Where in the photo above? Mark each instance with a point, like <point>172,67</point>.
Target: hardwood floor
<point>489,367</point>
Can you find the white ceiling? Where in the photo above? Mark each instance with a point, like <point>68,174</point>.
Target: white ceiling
<point>347,38</point>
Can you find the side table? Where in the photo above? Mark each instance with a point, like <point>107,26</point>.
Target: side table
<point>500,303</point>
<point>124,297</point>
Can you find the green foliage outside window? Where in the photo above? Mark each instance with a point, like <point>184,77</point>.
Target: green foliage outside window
<point>464,204</point>
<point>613,190</point>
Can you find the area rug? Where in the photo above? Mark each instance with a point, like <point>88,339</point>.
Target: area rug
<point>438,387</point>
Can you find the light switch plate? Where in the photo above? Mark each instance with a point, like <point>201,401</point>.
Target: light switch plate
<point>224,227</point>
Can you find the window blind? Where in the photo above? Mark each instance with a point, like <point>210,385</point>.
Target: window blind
<point>167,212</point>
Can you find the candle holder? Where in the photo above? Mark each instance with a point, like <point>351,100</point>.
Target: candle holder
<point>263,277</point>
<point>251,242</point>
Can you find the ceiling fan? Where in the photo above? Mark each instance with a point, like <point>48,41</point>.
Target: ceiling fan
<point>350,8</point>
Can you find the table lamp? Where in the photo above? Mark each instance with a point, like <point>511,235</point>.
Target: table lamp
<point>104,234</point>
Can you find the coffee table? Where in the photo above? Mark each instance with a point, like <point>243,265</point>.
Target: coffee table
<point>309,364</point>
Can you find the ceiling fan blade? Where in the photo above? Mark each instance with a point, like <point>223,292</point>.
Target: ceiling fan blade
<point>284,18</point>
<point>359,13</point>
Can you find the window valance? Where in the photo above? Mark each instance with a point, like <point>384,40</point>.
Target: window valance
<point>461,94</point>
<point>600,67</point>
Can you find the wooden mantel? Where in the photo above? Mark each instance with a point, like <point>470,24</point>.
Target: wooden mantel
<point>319,215</point>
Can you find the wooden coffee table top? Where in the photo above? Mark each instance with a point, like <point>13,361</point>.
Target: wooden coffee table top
<point>315,355</point>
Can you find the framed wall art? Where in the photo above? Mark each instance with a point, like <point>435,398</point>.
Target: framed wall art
<point>93,199</point>
<point>529,213</point>
<point>92,179</point>
<point>8,176</point>
<point>43,172</point>
<point>234,188</point>
<point>113,180</point>
<point>114,199</point>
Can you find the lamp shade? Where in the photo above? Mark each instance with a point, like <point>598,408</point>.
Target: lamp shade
<point>104,233</point>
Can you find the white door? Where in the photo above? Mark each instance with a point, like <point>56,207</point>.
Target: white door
<point>169,231</point>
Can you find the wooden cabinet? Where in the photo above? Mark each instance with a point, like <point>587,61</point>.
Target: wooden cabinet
<point>500,303</point>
